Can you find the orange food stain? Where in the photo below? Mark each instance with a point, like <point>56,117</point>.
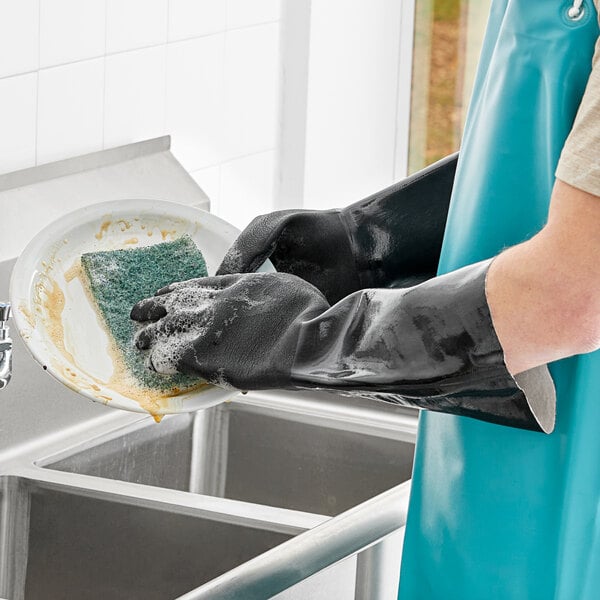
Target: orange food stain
<point>166,232</point>
<point>54,303</point>
<point>73,271</point>
<point>103,229</point>
<point>28,315</point>
<point>132,240</point>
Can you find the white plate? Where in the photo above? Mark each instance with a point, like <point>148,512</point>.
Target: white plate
<point>69,342</point>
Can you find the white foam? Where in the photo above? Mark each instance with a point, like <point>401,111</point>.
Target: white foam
<point>188,317</point>
<point>232,261</point>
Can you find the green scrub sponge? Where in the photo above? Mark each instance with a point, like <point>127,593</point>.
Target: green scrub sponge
<point>117,279</point>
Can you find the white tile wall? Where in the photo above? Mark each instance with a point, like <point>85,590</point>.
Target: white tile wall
<point>17,120</point>
<point>71,30</point>
<point>246,188</point>
<point>209,180</point>
<point>70,110</point>
<point>352,100</point>
<point>81,75</point>
<point>19,36</point>
<point>251,86</point>
<point>195,100</point>
<point>194,18</point>
<point>135,24</point>
<point>242,13</point>
<point>134,96</point>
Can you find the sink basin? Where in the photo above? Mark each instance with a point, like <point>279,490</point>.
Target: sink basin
<point>57,542</point>
<point>288,459</point>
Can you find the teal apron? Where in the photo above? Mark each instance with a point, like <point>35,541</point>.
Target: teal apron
<point>498,513</point>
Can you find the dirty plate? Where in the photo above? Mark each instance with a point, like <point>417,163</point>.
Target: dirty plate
<point>58,322</point>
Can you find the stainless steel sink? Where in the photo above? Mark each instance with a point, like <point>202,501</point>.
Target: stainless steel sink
<point>245,500</point>
<point>239,501</point>
<point>59,542</point>
<point>314,463</point>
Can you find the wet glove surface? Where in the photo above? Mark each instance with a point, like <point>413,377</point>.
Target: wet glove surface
<point>390,239</point>
<point>432,345</point>
<point>313,245</point>
<point>234,331</point>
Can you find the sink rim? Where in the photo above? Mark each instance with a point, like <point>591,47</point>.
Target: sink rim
<point>363,421</point>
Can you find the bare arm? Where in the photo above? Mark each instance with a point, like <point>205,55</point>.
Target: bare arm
<point>544,294</point>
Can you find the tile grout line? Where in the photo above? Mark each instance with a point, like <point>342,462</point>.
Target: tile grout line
<point>166,77</point>
<point>227,4</point>
<point>37,82</point>
<point>230,160</point>
<point>147,47</point>
<point>104,74</point>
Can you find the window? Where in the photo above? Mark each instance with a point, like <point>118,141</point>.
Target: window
<point>447,41</point>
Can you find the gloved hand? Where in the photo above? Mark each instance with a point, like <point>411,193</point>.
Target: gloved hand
<point>431,346</point>
<point>235,331</point>
<point>390,239</point>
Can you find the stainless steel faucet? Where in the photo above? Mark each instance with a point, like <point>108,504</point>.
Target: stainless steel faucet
<point>5,345</point>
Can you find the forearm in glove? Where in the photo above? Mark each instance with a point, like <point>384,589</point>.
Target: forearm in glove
<point>390,239</point>
<point>432,345</point>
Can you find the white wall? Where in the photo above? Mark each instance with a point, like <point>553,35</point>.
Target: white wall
<point>82,75</point>
<point>350,72</point>
<point>352,100</point>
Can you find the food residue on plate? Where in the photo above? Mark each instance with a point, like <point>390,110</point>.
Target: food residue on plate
<point>47,309</point>
<point>155,402</point>
<point>103,229</point>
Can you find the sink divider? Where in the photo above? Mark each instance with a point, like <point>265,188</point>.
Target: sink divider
<point>209,453</point>
<point>236,512</point>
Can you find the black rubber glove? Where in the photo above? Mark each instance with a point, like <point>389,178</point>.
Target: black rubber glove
<point>390,239</point>
<point>235,331</point>
<point>432,346</point>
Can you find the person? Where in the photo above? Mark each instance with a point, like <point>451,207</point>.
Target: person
<point>352,310</point>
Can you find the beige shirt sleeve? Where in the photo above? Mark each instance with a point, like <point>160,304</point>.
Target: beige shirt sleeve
<point>579,163</point>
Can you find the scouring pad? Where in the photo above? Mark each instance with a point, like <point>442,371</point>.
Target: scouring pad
<point>117,279</point>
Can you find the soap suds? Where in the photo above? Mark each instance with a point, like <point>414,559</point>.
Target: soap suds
<point>173,335</point>
<point>232,262</point>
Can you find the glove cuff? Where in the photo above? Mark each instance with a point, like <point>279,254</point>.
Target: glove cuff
<point>432,346</point>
